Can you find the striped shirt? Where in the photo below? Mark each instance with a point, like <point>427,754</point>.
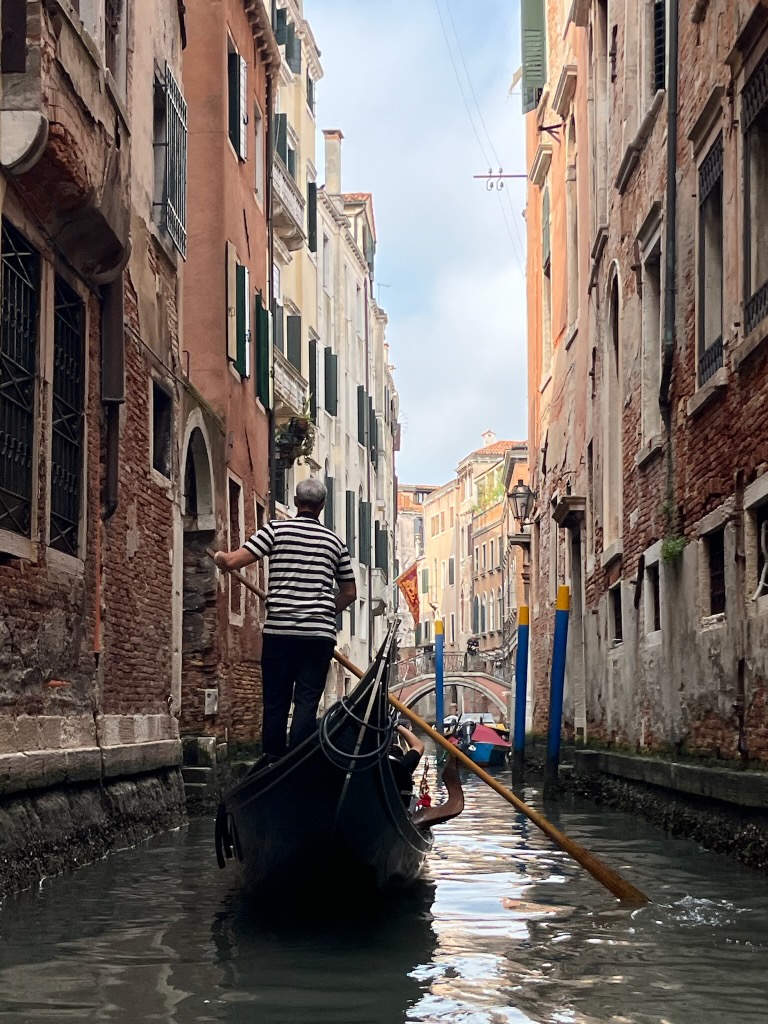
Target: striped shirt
<point>306,560</point>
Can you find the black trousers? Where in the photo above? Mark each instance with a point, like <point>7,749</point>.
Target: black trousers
<point>293,668</point>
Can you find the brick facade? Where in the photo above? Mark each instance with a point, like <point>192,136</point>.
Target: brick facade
<point>640,496</point>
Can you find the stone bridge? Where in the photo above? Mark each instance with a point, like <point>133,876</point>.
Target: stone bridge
<point>470,681</point>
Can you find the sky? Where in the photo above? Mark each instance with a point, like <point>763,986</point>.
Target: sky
<point>450,257</point>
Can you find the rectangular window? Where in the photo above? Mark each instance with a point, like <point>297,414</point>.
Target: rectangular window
<point>326,263</point>
<point>364,542</point>
<point>258,154</point>
<point>754,120</point>
<point>13,37</point>
<point>293,341</point>
<point>352,619</point>
<point>68,415</point>
<point>659,44</point>
<point>237,79</point>
<point>292,48</point>
<point>242,361</point>
<point>235,541</point>
<point>310,93</point>
<point>492,563</point>
<point>451,519</point>
<point>281,484</point>
<point>715,545</point>
<point>418,535</point>
<point>263,345</point>
<point>170,158</point>
<point>113,13</point>
<point>443,574</point>
<point>653,599</point>
<point>453,629</point>
<point>477,559</point>
<point>485,559</point>
<point>312,378</point>
<point>651,327</point>
<point>328,510</point>
<point>362,413</point>
<point>425,581</point>
<point>162,430</point>
<point>710,281</point>
<point>331,382</point>
<point>19,292</point>
<point>442,522</point>
<point>616,618</point>
<point>451,572</point>
<point>350,523</point>
<point>546,289</point>
<point>761,534</point>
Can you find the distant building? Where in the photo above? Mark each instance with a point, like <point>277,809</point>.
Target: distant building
<point>409,549</point>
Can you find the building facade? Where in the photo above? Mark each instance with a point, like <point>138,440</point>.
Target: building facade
<point>90,496</point>
<point>645,363</point>
<point>231,65</point>
<point>409,551</point>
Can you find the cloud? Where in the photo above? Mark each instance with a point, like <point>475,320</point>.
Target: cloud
<point>450,251</point>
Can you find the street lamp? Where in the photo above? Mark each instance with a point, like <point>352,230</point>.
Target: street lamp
<point>522,498</point>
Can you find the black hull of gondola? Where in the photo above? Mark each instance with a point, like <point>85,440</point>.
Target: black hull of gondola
<point>318,818</point>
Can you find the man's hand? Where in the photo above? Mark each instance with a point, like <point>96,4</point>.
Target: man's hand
<point>232,560</point>
<point>413,741</point>
<point>346,595</point>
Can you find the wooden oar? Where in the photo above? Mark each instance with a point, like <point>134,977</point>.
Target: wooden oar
<point>606,876</point>
<point>240,578</point>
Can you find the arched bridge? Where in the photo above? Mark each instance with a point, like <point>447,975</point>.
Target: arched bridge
<point>415,679</point>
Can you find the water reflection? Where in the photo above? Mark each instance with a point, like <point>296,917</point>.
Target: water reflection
<point>505,929</point>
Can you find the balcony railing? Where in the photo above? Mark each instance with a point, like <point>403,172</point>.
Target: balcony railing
<point>291,390</point>
<point>289,207</point>
<point>710,361</point>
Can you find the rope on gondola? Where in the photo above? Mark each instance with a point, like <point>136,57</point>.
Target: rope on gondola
<point>425,800</point>
<point>344,759</point>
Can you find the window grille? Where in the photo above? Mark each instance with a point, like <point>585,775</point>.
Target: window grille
<point>19,309</point>
<point>113,10</point>
<point>68,411</point>
<point>174,195</point>
<point>716,552</point>
<point>755,95</point>
<point>659,45</point>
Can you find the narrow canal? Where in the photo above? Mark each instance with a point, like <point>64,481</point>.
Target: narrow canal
<point>505,929</point>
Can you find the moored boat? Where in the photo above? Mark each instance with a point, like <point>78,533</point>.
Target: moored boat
<point>330,811</point>
<point>480,742</point>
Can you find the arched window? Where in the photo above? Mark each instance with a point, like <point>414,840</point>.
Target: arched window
<point>483,614</point>
<point>491,613</point>
<point>475,615</point>
<point>500,605</point>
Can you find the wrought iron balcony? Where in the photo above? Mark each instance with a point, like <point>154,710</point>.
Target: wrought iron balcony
<point>291,390</point>
<point>710,361</point>
<point>288,212</point>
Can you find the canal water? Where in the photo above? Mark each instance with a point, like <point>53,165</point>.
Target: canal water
<point>504,929</point>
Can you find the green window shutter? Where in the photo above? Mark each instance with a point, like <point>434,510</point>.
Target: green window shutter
<point>451,572</point>
<point>372,430</point>
<point>242,149</point>
<point>362,412</point>
<point>331,383</point>
<point>364,543</point>
<point>278,325</point>
<point>293,340</point>
<point>293,49</point>
<point>242,321</point>
<point>328,517</point>
<point>233,97</point>
<point>351,523</point>
<point>262,353</point>
<point>281,137</point>
<point>425,581</point>
<point>281,23</point>
<point>534,51</point>
<point>352,619</point>
<point>417,639</point>
<point>545,232</point>
<point>313,379</point>
<point>312,216</point>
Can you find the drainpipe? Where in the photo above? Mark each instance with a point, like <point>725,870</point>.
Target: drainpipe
<point>670,239</point>
<point>271,284</point>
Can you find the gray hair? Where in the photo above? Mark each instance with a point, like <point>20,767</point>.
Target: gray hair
<point>311,493</point>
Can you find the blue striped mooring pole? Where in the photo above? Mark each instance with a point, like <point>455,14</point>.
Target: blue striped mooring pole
<point>439,660</point>
<point>521,686</point>
<point>557,687</point>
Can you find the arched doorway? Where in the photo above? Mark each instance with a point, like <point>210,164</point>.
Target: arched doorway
<point>199,656</point>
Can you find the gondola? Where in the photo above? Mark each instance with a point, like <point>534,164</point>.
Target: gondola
<point>330,811</point>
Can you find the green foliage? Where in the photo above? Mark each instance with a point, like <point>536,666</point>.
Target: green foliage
<point>487,496</point>
<point>672,549</point>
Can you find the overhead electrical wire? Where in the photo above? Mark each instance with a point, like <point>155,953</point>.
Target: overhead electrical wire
<point>515,247</point>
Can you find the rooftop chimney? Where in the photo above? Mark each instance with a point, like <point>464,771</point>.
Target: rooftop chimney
<point>333,139</point>
<point>488,438</point>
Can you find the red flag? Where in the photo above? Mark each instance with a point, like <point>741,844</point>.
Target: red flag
<point>409,588</point>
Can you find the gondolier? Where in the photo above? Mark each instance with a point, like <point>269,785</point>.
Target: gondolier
<point>306,562</point>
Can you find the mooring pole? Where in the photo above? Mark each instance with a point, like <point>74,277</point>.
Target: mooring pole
<point>557,688</point>
<point>521,689</point>
<point>439,694</point>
